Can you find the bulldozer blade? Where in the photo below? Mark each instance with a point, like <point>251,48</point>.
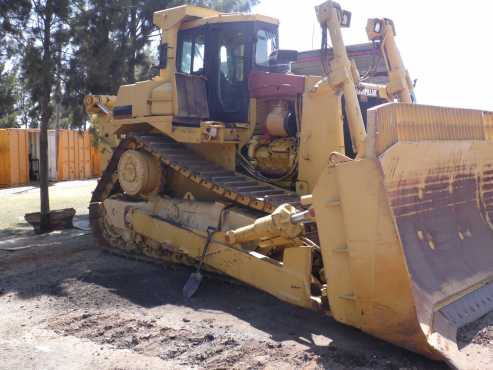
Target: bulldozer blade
<point>192,285</point>
<point>412,261</point>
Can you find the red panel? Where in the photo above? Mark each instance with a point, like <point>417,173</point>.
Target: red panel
<point>275,85</point>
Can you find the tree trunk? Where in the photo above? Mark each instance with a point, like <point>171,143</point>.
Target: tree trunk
<point>43,129</point>
<point>132,46</point>
<point>43,174</point>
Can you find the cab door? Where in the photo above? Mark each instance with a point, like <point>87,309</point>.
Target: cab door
<point>229,61</point>
<point>191,80</point>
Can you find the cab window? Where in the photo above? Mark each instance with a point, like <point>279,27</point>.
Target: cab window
<point>232,57</point>
<point>232,79</point>
<point>192,50</point>
<point>265,46</point>
<point>198,54</point>
<point>186,56</point>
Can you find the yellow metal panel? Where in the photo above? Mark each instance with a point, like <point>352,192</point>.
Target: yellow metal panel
<point>417,216</point>
<point>408,122</point>
<point>231,18</point>
<point>321,134</point>
<point>139,96</point>
<point>289,281</point>
<point>196,16</point>
<point>335,253</point>
<point>361,251</point>
<point>168,18</point>
<point>488,124</point>
<point>162,100</point>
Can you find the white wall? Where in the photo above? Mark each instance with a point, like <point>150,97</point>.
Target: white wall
<point>52,151</point>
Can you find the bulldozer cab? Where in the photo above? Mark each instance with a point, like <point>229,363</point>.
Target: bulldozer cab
<point>224,54</point>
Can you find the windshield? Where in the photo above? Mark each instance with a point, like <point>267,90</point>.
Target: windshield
<point>266,45</point>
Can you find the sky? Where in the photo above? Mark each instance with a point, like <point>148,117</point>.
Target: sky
<point>446,44</point>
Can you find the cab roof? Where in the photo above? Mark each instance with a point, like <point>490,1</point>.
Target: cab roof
<point>194,16</point>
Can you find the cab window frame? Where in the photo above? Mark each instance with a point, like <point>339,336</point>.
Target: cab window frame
<point>196,38</point>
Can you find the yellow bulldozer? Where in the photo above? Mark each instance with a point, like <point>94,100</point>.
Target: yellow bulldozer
<point>327,192</point>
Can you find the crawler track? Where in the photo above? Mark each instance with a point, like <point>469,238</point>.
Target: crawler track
<point>232,186</point>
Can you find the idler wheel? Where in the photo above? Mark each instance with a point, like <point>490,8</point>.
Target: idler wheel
<point>139,173</point>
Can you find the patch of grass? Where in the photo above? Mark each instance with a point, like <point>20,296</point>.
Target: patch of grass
<point>75,194</point>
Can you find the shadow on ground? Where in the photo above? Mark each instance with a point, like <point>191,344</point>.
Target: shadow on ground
<point>52,269</point>
<point>20,229</point>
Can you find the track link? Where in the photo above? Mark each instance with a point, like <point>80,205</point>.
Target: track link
<point>234,187</point>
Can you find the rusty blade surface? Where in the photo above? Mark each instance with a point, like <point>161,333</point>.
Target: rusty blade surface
<point>437,168</point>
<point>441,195</point>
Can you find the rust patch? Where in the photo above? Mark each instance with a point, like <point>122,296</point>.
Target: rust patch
<point>445,224</point>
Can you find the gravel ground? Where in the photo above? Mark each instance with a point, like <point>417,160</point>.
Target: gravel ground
<point>65,304</point>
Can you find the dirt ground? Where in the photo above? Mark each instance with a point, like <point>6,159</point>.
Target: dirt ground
<point>65,304</point>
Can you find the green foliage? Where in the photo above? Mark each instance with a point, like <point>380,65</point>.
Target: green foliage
<point>8,98</point>
<point>226,5</point>
<point>13,15</point>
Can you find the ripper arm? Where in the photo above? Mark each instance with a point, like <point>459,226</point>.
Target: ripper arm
<point>343,74</point>
<point>400,85</point>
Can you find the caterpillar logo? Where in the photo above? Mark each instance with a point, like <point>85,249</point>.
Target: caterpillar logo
<point>368,91</point>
